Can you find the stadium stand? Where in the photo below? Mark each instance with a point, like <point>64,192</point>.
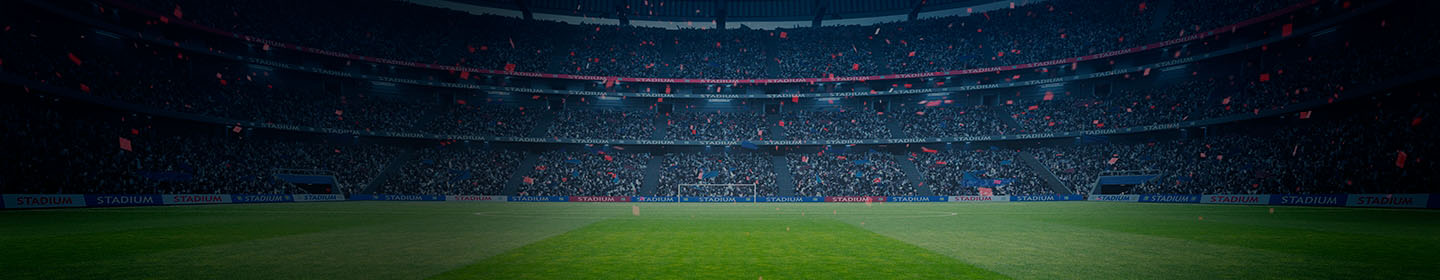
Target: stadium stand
<point>586,173</point>
<point>966,172</point>
<point>837,123</point>
<point>1355,153</point>
<point>848,174</point>
<point>717,168</point>
<point>604,124</point>
<point>94,111</point>
<point>1031,33</point>
<point>953,121</point>
<point>454,171</point>
<point>716,126</point>
<point>57,151</point>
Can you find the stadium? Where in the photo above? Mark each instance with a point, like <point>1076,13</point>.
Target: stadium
<point>720,139</point>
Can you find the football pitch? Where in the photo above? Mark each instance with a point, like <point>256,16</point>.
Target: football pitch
<point>405,240</point>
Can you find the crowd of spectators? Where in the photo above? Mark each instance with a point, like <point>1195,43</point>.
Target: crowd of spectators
<point>717,168</point>
<point>488,120</point>
<point>849,174</point>
<point>1377,145</point>
<point>163,79</point>
<point>953,121</point>
<point>836,123</point>
<point>60,153</point>
<point>716,126</point>
<point>1039,32</point>
<point>1270,80</point>
<point>1273,80</point>
<point>148,75</point>
<point>603,124</point>
<point>1200,16</point>
<point>217,88</point>
<point>965,172</point>
<point>1360,153</point>
<point>55,149</point>
<point>1028,33</point>
<point>719,54</point>
<point>1163,104</point>
<point>586,173</point>
<point>454,171</point>
<point>614,49</point>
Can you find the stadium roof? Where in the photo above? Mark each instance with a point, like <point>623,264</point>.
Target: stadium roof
<point>733,10</point>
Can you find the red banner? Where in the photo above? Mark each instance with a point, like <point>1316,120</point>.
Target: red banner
<point>599,199</point>
<point>854,199</point>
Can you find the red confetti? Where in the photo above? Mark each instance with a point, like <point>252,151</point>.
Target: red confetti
<point>125,144</point>
<point>74,58</point>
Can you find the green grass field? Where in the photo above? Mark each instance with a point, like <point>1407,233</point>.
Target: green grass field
<point>399,240</point>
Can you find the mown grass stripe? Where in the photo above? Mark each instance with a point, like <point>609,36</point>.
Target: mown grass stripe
<point>702,248</point>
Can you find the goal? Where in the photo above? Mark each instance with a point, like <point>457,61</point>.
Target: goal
<point>738,190</point>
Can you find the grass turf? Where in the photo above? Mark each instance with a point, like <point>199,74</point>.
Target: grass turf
<point>399,240</point>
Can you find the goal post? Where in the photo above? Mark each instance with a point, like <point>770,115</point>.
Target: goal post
<point>733,189</point>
